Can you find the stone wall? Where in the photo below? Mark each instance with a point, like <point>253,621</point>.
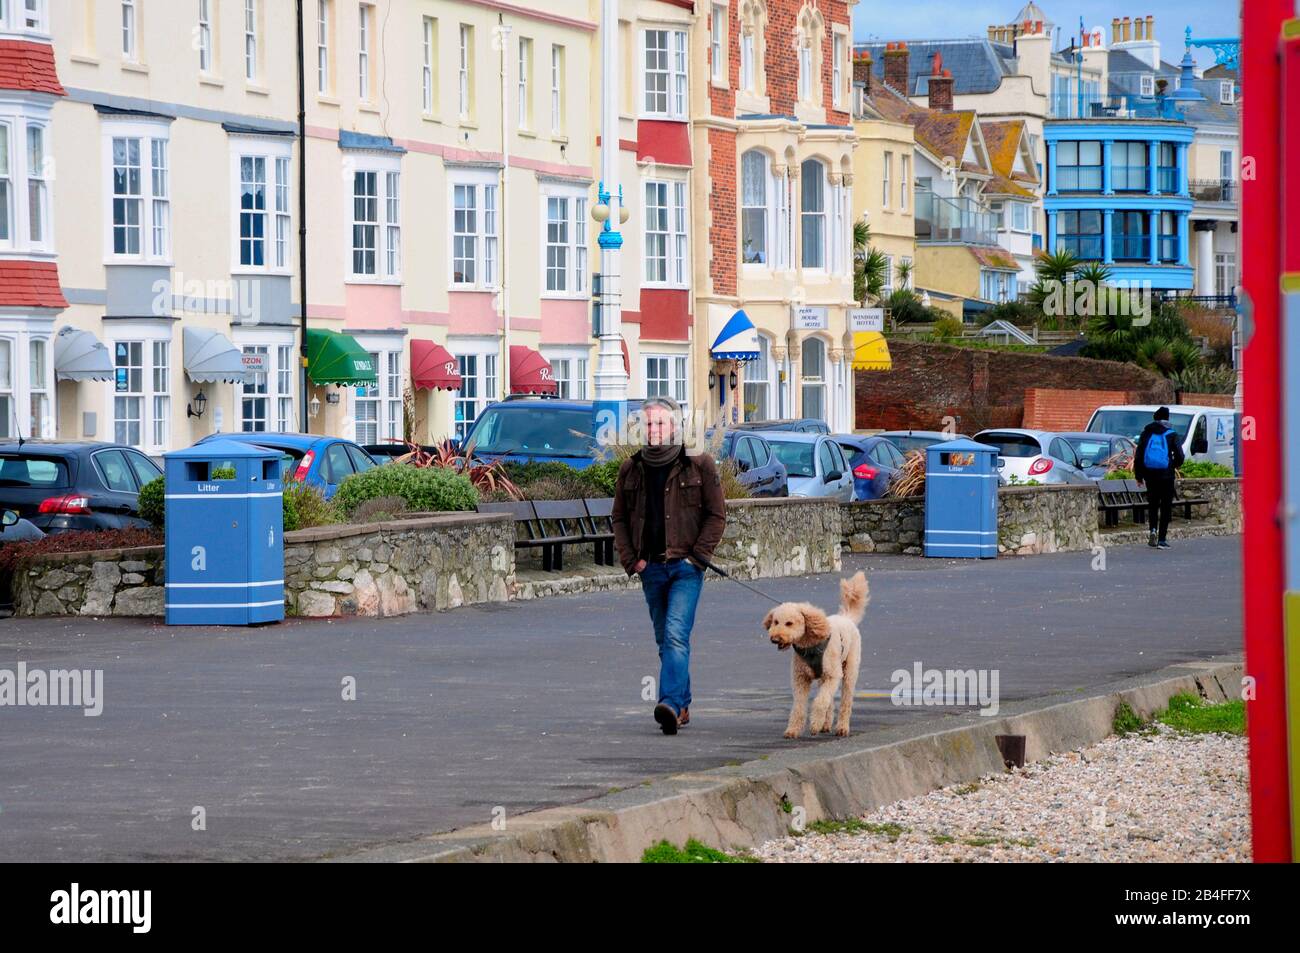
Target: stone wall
<point>884,526</point>
<point>108,582</point>
<point>768,538</point>
<point>1046,519</point>
<point>392,568</point>
<point>1225,501</point>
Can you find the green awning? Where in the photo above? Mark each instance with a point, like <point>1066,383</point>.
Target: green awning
<point>334,358</point>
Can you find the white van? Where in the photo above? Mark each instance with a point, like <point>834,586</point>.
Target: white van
<point>1207,433</point>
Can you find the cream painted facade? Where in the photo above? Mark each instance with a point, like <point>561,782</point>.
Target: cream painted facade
<point>891,217</point>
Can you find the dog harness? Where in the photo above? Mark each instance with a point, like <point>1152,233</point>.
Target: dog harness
<point>813,656</point>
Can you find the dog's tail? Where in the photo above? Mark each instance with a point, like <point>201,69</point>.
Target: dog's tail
<point>854,596</point>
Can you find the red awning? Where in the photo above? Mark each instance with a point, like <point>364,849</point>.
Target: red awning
<point>433,367</point>
<point>529,372</point>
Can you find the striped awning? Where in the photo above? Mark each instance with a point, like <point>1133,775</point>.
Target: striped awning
<point>736,339</point>
<point>80,356</point>
<point>210,357</point>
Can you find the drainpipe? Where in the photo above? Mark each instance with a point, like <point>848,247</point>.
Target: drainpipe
<point>503,36</point>
<point>302,226</point>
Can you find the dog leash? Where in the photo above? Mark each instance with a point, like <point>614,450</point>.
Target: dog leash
<point>727,575</point>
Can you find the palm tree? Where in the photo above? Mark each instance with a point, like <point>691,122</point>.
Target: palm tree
<point>1052,271</point>
<point>869,265</point>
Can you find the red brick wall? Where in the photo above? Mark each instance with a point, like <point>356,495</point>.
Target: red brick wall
<point>1207,400</point>
<point>984,388</point>
<point>1050,409</point>
<point>782,62</point>
<point>723,203</point>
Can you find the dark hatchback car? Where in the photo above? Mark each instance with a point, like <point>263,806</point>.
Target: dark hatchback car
<point>63,486</point>
<point>875,462</point>
<point>759,468</point>
<point>798,425</point>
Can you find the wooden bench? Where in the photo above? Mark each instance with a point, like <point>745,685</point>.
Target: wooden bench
<point>534,534</point>
<point>600,528</point>
<point>1118,496</point>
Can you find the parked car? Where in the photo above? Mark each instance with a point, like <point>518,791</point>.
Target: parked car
<point>318,461</point>
<point>74,485</point>
<point>796,425</point>
<point>909,440</point>
<point>1207,433</point>
<point>759,468</point>
<point>526,429</point>
<point>15,529</point>
<point>383,453</point>
<point>874,463</point>
<point>814,463</point>
<point>1033,455</point>
<point>1097,450</point>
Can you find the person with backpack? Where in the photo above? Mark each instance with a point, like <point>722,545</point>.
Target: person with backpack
<point>1159,453</point>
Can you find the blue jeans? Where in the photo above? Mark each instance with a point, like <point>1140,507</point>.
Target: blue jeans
<point>672,591</point>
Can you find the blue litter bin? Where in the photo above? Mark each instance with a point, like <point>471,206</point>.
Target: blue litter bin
<point>224,545</point>
<point>961,500</point>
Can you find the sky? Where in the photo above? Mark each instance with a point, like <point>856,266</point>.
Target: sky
<point>952,19</point>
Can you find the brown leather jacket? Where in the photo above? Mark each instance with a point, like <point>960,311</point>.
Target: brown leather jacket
<point>695,510</point>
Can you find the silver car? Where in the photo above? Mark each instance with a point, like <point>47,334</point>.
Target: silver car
<point>1025,456</point>
<point>814,464</point>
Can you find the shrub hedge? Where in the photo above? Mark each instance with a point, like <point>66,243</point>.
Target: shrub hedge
<point>423,488</point>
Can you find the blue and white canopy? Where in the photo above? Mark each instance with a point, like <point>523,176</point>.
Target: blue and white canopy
<point>736,339</point>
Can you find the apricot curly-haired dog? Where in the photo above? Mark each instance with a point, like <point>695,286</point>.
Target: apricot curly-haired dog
<point>827,649</point>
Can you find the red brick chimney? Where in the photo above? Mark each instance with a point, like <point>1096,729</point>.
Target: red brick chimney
<point>940,85</point>
<point>897,68</point>
<point>862,70</point>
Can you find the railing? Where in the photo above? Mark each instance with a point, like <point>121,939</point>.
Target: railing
<point>1168,248</point>
<point>1228,301</point>
<point>1223,191</point>
<point>1083,247</point>
<point>1128,178</point>
<point>1078,178</point>
<point>940,219</point>
<point>1130,247</point>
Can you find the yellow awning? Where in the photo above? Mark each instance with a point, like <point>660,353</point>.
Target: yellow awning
<point>871,352</point>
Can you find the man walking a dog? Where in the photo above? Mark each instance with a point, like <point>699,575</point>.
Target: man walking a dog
<point>669,514</point>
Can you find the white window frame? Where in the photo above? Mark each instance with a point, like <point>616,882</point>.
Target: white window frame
<point>718,44</point>
<point>9,391</point>
<point>37,193</point>
<point>387,222</point>
<point>485,231</point>
<point>25,176</point>
<point>911,271</point>
<point>428,57</point>
<point>674,72</point>
<point>250,40</point>
<point>767,367</point>
<point>323,15</point>
<point>465,75</point>
<point>771,187</point>
<point>524,97</point>
<point>1020,217</point>
<point>204,36</point>
<point>145,133</point>
<point>365,31</point>
<point>839,43</point>
<point>478,359</point>
<point>130,11</point>
<point>820,382</point>
<point>10,211</point>
<point>1146,85</point>
<point>1227,92</point>
<point>156,385</point>
<point>676,242</point>
<point>276,155</point>
<point>887,172</point>
<point>21,382</point>
<point>20,20</point>
<point>39,424</point>
<point>888,288</point>
<point>557,89</point>
<point>824,214</point>
<point>573,273</point>
<point>386,352</point>
<point>904,172</point>
<point>571,369</point>
<point>675,381</point>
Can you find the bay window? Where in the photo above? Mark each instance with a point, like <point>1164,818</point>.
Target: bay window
<point>6,388</point>
<point>812,378</point>
<point>665,376</point>
<point>142,393</point>
<point>664,73</point>
<point>40,424</point>
<point>812,213</point>
<point>756,194</point>
<point>570,371</point>
<point>1078,167</point>
<point>665,233</point>
<point>565,243</point>
<point>263,226</point>
<point>255,399</point>
<point>758,382</point>
<point>478,372</point>
<point>139,215</point>
<point>1080,233</point>
<point>1128,166</point>
<point>474,231</point>
<point>376,224</point>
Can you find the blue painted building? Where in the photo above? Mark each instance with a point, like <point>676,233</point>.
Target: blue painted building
<point>1117,193</point>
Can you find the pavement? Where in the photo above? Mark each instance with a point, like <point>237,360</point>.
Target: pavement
<point>527,705</point>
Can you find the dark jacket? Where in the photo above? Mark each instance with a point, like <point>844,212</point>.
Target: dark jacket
<point>1176,456</point>
<point>695,510</point>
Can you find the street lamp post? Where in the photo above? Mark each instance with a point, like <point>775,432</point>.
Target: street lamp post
<point>611,380</point>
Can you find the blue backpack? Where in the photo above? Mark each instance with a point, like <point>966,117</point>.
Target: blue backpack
<point>1157,452</point>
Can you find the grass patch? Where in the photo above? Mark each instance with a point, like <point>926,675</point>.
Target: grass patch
<point>943,839</point>
<point>968,789</point>
<point>693,853</point>
<point>1126,721</point>
<point>1191,714</point>
<point>981,841</point>
<point>855,825</point>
